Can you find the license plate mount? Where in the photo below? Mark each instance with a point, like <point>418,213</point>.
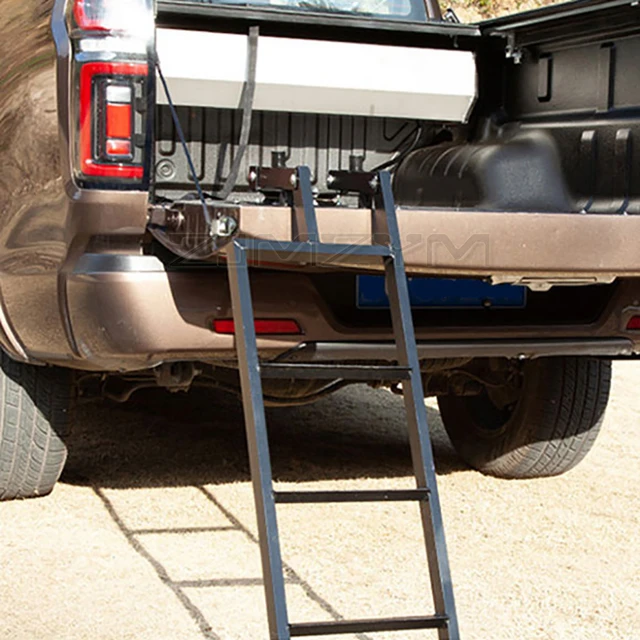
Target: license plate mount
<point>443,293</point>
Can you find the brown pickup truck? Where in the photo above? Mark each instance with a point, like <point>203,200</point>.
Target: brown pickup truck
<point>513,146</point>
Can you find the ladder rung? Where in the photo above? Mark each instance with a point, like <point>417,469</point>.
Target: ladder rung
<point>366,626</point>
<point>331,372</point>
<point>309,497</point>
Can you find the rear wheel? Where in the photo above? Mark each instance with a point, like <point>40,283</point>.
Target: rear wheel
<point>37,409</point>
<point>543,426</point>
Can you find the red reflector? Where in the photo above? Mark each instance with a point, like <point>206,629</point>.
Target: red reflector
<point>634,323</point>
<point>263,327</point>
<point>118,148</point>
<point>119,121</point>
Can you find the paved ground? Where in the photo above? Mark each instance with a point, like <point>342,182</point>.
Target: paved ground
<point>151,535</point>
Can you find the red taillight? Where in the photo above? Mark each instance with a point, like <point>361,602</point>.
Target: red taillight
<point>118,119</point>
<point>110,94</point>
<point>107,119</point>
<point>634,323</point>
<point>263,327</point>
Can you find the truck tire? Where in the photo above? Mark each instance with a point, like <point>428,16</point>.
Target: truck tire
<point>37,409</point>
<point>548,430</point>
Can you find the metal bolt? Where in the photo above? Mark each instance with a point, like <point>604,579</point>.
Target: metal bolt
<point>330,180</point>
<point>374,183</point>
<point>294,180</point>
<point>174,220</point>
<point>356,163</point>
<point>226,226</point>
<point>253,176</point>
<point>278,159</point>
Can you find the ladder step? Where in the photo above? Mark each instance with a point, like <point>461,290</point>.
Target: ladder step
<point>310,497</point>
<point>332,372</point>
<point>367,626</point>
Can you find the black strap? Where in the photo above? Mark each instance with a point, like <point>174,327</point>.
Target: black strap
<point>246,104</point>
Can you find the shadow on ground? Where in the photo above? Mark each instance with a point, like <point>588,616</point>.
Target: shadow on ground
<point>160,439</point>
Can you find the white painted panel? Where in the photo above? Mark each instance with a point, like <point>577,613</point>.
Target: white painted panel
<point>312,76</point>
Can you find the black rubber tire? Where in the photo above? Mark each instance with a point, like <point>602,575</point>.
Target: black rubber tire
<point>37,410</point>
<point>551,428</point>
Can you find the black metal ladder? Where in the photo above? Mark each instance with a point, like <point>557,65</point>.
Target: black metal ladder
<point>305,246</point>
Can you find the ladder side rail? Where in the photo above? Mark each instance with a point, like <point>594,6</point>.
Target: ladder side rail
<point>421,451</point>
<point>305,222</point>
<point>257,442</point>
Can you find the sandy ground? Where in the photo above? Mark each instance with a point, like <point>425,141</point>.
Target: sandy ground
<point>151,534</point>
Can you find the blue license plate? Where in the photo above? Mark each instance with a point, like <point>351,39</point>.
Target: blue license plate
<point>443,293</point>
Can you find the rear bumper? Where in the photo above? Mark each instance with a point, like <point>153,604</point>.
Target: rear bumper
<point>128,313</point>
<point>508,246</point>
<point>117,311</point>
